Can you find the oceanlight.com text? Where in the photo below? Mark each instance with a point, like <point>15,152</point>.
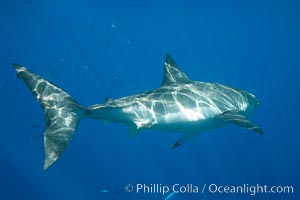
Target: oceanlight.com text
<point>248,189</point>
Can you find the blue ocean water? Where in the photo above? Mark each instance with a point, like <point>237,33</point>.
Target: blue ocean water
<point>94,49</point>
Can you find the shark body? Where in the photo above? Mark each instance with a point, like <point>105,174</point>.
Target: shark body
<point>179,105</point>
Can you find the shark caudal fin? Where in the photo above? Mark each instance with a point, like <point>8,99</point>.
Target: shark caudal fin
<point>62,113</point>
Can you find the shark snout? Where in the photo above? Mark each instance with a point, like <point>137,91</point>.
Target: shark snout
<point>253,100</point>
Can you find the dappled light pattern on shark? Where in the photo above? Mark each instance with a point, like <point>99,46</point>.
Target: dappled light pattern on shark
<point>179,105</point>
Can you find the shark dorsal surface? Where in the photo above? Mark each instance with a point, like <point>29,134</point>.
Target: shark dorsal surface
<point>173,73</point>
<point>179,105</point>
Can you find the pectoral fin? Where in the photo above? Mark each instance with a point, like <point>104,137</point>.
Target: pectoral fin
<point>183,138</point>
<point>240,120</point>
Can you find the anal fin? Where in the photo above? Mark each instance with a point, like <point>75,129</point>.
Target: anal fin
<point>132,129</point>
<point>240,120</point>
<point>183,138</point>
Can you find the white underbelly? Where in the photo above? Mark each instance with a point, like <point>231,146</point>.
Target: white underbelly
<point>177,120</point>
<point>188,126</point>
<point>189,121</point>
<point>188,115</point>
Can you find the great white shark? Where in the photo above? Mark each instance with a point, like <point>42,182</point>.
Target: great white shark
<point>178,105</point>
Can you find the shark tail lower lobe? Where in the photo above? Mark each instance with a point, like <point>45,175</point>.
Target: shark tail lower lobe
<point>62,113</point>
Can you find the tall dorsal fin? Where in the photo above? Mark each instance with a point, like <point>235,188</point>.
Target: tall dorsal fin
<point>173,73</point>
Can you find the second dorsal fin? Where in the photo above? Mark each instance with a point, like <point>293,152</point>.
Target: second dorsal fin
<point>107,99</point>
